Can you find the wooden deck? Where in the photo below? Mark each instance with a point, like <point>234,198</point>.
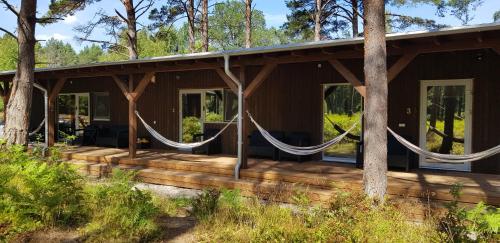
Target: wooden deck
<point>265,176</point>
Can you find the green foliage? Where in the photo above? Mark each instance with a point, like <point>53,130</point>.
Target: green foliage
<point>190,126</point>
<point>8,50</point>
<point>120,211</point>
<point>227,27</point>
<point>37,194</point>
<point>351,217</point>
<point>89,54</point>
<point>55,54</point>
<point>496,16</point>
<point>206,203</point>
<point>481,223</point>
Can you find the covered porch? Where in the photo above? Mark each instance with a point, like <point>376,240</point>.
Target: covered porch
<point>318,179</point>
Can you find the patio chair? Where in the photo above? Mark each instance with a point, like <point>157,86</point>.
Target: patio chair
<point>214,147</point>
<point>300,139</point>
<point>89,135</point>
<point>258,146</point>
<point>112,136</point>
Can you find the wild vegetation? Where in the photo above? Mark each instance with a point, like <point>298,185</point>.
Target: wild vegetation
<point>38,194</point>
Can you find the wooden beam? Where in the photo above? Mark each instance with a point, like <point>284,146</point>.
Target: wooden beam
<point>148,77</point>
<point>348,75</point>
<point>257,81</point>
<point>245,123</point>
<point>56,89</point>
<point>227,80</point>
<point>122,87</point>
<point>400,64</point>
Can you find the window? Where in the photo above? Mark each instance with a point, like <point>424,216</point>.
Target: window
<point>102,108</point>
<point>213,106</point>
<point>230,105</point>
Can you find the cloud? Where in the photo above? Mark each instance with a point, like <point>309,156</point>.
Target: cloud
<point>70,19</point>
<point>275,20</point>
<point>56,36</point>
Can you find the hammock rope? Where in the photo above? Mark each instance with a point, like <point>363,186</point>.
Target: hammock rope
<point>295,149</point>
<point>38,128</point>
<point>447,158</point>
<point>174,144</point>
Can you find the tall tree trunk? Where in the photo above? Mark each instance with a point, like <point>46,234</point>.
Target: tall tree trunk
<point>19,106</point>
<point>131,29</point>
<point>355,28</point>
<point>375,68</point>
<point>190,15</point>
<point>317,21</point>
<point>450,104</point>
<point>248,23</point>
<point>204,24</point>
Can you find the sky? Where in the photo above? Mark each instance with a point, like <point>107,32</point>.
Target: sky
<point>275,12</point>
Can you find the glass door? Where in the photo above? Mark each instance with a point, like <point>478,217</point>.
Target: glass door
<point>342,108</point>
<point>191,119</point>
<point>445,121</point>
<point>73,113</point>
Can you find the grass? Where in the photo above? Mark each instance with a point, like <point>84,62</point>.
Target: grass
<point>346,147</point>
<point>434,141</point>
<point>40,195</point>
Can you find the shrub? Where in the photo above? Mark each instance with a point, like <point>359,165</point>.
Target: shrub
<point>190,127</point>
<point>481,223</point>
<point>36,194</point>
<point>206,203</point>
<point>121,212</point>
<point>350,217</point>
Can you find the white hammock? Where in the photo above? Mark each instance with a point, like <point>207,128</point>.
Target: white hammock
<point>295,149</point>
<point>38,128</point>
<point>448,158</point>
<point>174,144</point>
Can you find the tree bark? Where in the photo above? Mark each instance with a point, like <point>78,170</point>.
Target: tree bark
<point>317,21</point>
<point>450,104</point>
<point>190,15</point>
<point>248,23</point>
<point>19,107</point>
<point>375,69</point>
<point>355,27</point>
<point>204,25</point>
<point>131,29</point>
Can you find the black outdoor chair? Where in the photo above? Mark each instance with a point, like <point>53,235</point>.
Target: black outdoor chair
<point>300,139</point>
<point>214,147</point>
<point>258,146</point>
<point>112,136</point>
<point>89,135</point>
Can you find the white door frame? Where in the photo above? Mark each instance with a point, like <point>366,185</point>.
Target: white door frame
<point>323,156</point>
<point>202,101</point>
<point>77,106</point>
<point>424,84</point>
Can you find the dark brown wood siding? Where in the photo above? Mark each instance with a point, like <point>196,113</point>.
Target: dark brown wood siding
<point>291,97</point>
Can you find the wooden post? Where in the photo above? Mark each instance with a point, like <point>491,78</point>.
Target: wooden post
<point>132,96</point>
<point>53,93</point>
<point>5,92</point>
<point>245,124</point>
<point>132,121</point>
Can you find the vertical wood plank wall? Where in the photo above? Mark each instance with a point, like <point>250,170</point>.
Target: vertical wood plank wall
<point>291,97</point>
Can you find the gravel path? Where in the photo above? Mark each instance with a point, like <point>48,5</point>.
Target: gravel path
<point>169,191</point>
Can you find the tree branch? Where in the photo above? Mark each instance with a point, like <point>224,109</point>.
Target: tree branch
<point>9,33</point>
<point>121,16</point>
<point>10,7</point>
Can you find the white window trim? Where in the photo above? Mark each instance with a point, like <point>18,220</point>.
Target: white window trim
<point>468,83</point>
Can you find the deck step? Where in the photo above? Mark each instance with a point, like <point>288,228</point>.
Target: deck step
<point>91,168</point>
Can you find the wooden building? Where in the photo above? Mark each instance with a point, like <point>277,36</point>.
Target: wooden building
<point>289,88</point>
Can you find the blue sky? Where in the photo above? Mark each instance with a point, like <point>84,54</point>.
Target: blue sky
<point>275,12</point>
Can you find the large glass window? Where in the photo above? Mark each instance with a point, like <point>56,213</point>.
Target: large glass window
<point>102,108</point>
<point>213,106</point>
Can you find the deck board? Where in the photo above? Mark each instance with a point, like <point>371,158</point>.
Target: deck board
<point>322,175</point>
